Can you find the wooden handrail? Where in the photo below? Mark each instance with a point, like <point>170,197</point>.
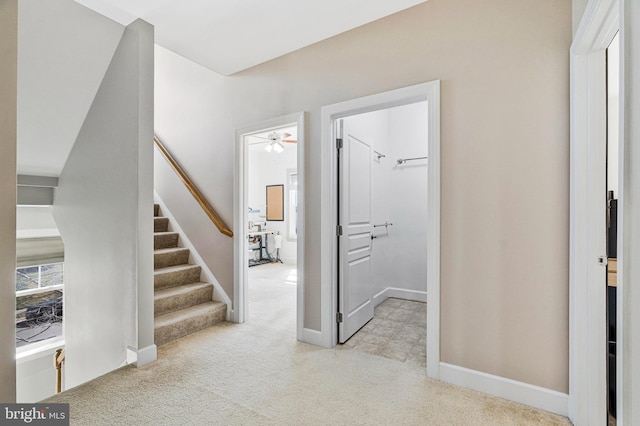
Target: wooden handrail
<point>58,361</point>
<point>222,227</point>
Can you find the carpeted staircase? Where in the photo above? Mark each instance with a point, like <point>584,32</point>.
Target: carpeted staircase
<point>183,304</point>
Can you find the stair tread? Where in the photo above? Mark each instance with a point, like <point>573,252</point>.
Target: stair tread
<point>181,289</point>
<point>182,314</point>
<point>175,268</point>
<point>169,250</point>
<point>182,302</point>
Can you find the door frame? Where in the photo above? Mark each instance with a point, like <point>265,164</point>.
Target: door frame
<point>587,306</point>
<point>430,92</point>
<point>240,214</point>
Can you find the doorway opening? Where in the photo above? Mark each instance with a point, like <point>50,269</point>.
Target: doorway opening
<point>361,227</point>
<point>272,226</point>
<point>382,200</point>
<point>269,221</point>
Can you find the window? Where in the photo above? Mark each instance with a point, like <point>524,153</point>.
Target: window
<point>292,181</point>
<point>39,303</point>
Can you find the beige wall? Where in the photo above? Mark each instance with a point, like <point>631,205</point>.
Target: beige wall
<point>504,68</point>
<point>8,109</point>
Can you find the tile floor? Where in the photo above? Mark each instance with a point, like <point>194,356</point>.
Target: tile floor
<point>397,331</point>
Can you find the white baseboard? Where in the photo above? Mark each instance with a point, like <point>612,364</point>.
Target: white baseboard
<point>313,337</point>
<point>147,355</point>
<point>132,356</point>
<point>232,315</point>
<point>219,294</point>
<point>399,293</point>
<point>523,393</point>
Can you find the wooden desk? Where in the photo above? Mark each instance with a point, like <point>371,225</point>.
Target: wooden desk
<point>259,241</point>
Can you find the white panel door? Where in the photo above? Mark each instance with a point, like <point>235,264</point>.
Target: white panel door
<point>355,283</point>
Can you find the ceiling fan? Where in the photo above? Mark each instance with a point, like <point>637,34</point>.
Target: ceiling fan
<point>275,141</point>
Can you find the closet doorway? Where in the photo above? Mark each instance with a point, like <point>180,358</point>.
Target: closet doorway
<point>346,308</point>
<point>269,222</point>
<point>382,199</point>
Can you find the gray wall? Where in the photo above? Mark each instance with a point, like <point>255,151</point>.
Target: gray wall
<point>8,111</point>
<point>504,69</point>
<point>103,208</point>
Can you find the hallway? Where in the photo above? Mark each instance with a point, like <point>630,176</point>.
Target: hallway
<point>258,374</point>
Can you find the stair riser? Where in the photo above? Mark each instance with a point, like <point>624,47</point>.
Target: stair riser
<point>160,224</point>
<point>162,260</point>
<point>190,325</point>
<point>181,301</point>
<point>176,278</point>
<point>165,241</point>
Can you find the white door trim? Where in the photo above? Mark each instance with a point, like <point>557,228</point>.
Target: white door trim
<point>329,252</point>
<point>240,214</point>
<point>629,269</point>
<point>587,322</point>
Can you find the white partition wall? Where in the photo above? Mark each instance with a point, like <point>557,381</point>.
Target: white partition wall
<point>103,208</point>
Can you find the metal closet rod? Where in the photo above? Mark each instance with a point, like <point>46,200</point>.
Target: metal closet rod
<point>383,224</point>
<point>379,155</point>
<point>404,160</point>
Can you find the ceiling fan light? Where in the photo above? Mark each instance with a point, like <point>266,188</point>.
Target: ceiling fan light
<point>269,147</point>
<point>273,136</point>
<point>278,147</point>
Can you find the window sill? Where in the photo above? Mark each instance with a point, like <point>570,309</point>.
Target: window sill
<point>39,290</point>
<point>38,350</point>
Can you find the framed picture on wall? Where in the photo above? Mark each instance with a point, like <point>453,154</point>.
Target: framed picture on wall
<point>275,202</point>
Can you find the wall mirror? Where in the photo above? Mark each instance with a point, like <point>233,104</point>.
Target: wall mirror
<point>275,202</point>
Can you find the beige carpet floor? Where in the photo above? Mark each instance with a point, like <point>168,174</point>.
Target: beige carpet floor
<point>258,374</point>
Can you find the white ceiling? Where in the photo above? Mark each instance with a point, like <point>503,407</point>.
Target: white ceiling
<point>228,36</point>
